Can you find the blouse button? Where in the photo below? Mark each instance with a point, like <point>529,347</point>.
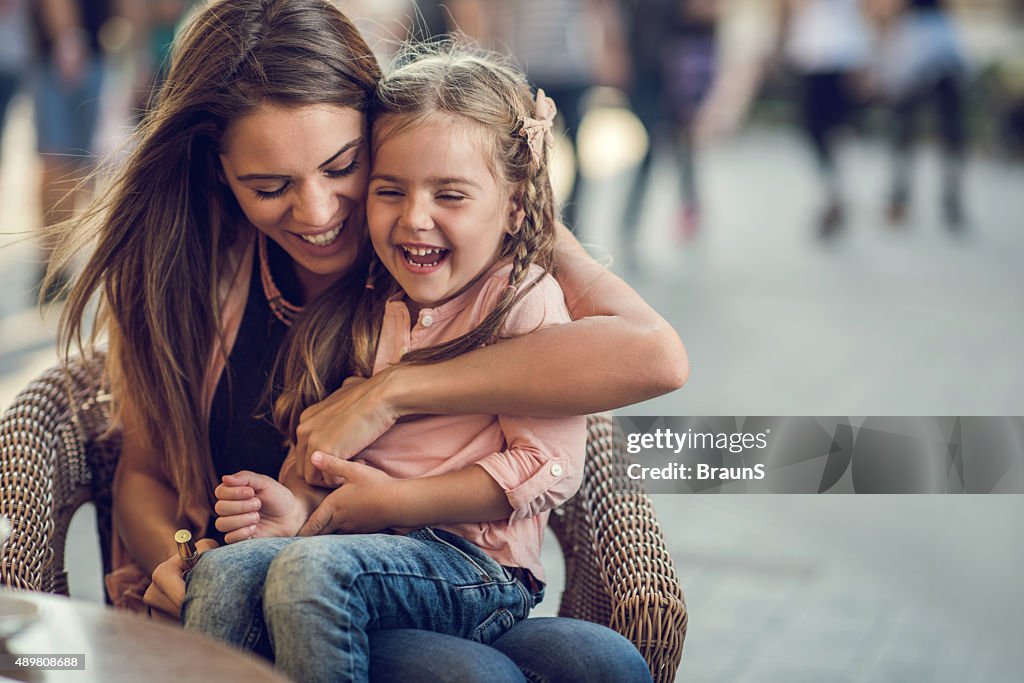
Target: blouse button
<point>556,469</point>
<point>427,320</point>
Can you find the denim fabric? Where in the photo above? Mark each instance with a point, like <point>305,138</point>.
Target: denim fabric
<point>224,592</point>
<point>340,587</point>
<point>405,654</point>
<point>537,650</point>
<point>560,650</point>
<point>225,599</point>
<point>67,116</point>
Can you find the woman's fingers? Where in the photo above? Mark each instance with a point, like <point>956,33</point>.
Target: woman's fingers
<point>166,591</point>
<point>156,599</point>
<point>204,544</point>
<point>168,581</point>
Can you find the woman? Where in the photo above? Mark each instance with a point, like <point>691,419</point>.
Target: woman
<point>243,200</point>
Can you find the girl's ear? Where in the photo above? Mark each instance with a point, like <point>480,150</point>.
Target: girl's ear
<point>516,214</point>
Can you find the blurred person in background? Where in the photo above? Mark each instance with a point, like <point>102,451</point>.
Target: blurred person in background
<point>15,52</point>
<point>919,63</point>
<point>157,21</point>
<point>67,105</point>
<point>673,59</point>
<point>437,19</point>
<point>566,47</point>
<point>827,43</point>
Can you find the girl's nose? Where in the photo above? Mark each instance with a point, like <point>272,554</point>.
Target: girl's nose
<point>416,215</point>
<point>316,205</point>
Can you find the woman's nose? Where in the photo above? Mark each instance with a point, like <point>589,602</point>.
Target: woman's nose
<point>316,205</point>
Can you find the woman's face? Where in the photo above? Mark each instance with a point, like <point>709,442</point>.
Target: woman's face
<point>299,174</point>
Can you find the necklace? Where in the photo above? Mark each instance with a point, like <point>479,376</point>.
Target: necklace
<point>282,309</point>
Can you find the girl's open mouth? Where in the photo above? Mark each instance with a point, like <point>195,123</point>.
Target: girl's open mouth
<point>423,257</point>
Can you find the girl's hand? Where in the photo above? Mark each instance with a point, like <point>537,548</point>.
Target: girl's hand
<point>367,500</point>
<point>167,591</point>
<point>343,424</point>
<point>251,505</point>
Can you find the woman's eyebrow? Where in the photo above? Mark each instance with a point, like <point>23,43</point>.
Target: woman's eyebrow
<point>277,176</point>
<point>349,145</point>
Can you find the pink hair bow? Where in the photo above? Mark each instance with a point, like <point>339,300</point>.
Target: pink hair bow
<point>537,130</point>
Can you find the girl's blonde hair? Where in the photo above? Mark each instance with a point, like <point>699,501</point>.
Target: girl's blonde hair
<point>482,92</point>
<point>165,227</point>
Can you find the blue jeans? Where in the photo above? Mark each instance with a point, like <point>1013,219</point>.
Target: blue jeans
<point>225,599</point>
<point>538,650</point>
<point>341,587</point>
<point>67,116</point>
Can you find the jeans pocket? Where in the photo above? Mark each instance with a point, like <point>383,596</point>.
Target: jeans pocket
<point>493,626</point>
<point>470,553</point>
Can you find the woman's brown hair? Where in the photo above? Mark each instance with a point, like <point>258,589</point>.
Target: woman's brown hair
<point>494,100</point>
<point>165,226</point>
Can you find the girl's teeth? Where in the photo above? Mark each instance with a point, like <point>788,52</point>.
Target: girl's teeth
<point>419,252</point>
<point>422,251</point>
<point>323,239</point>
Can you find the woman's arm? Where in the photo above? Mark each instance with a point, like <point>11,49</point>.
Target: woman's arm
<point>617,351</point>
<point>145,505</point>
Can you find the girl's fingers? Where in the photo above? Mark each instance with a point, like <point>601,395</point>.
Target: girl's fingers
<point>228,492</point>
<point>242,534</point>
<point>226,508</point>
<point>234,522</point>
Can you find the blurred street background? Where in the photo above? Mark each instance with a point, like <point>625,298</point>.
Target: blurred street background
<point>824,197</point>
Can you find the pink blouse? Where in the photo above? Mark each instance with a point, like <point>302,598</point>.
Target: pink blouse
<point>538,461</point>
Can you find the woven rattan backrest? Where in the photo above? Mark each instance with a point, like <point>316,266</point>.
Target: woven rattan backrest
<point>52,460</point>
<point>618,569</point>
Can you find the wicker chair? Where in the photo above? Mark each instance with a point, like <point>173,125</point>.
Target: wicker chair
<point>56,454</point>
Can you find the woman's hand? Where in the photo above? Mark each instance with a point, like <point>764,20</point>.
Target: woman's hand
<point>251,505</point>
<point>367,501</point>
<point>167,591</point>
<point>343,424</point>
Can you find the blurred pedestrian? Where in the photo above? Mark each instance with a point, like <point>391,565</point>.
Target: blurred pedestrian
<point>15,52</point>
<point>920,64</point>
<point>433,20</point>
<point>827,43</point>
<point>158,21</point>
<point>673,58</point>
<point>67,104</point>
<point>566,47</point>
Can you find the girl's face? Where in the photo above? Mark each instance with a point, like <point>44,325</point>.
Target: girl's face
<point>299,174</point>
<point>436,213</point>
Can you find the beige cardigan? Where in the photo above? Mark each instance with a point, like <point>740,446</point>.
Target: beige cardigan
<point>127,582</point>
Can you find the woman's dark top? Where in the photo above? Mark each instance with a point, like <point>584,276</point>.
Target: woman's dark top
<point>242,435</point>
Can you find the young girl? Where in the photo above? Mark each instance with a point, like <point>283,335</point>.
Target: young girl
<point>461,216</point>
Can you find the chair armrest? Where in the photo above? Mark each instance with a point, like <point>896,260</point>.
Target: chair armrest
<point>50,440</point>
<point>618,569</point>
